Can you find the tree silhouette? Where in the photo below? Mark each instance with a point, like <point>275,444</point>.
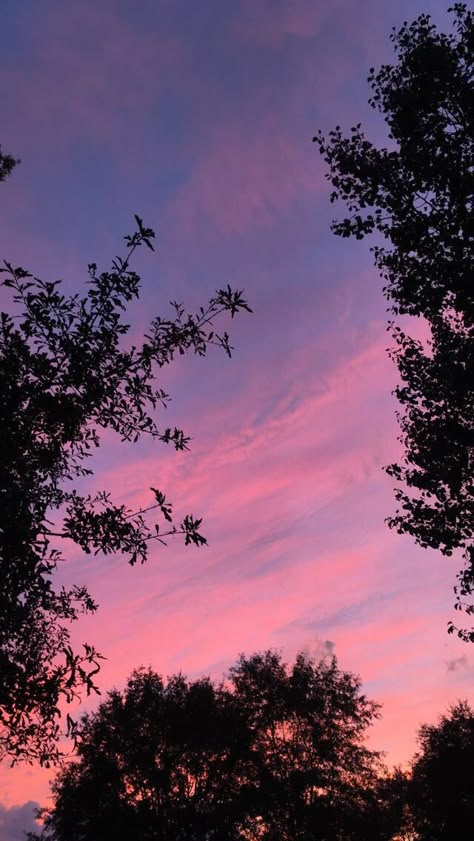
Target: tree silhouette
<point>417,195</point>
<point>273,753</point>
<point>65,375</point>
<point>7,163</point>
<point>441,790</point>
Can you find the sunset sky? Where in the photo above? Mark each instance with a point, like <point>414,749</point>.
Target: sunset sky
<point>199,115</point>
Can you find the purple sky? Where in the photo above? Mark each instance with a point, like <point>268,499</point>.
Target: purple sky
<point>199,117</point>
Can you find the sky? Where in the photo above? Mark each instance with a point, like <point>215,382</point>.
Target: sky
<point>199,117</point>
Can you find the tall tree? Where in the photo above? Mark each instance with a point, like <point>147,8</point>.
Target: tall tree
<point>274,752</point>
<point>66,374</point>
<point>441,792</point>
<point>417,196</point>
<point>316,779</point>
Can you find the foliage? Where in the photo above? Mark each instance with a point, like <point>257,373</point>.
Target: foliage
<point>7,163</point>
<point>417,197</point>
<point>272,753</point>
<point>65,375</point>
<point>441,790</point>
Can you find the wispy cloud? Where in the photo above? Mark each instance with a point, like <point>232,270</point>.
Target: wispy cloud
<point>200,116</point>
<point>457,663</point>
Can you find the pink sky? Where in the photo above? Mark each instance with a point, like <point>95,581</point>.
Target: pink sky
<point>200,117</point>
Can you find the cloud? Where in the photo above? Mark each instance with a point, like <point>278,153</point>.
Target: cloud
<point>457,663</point>
<point>204,121</point>
<point>320,649</point>
<point>253,171</point>
<point>17,820</point>
<point>271,23</point>
<point>81,82</point>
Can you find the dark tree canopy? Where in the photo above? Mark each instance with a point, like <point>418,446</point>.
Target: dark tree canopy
<point>66,373</point>
<point>441,790</point>
<point>7,163</point>
<point>417,197</point>
<point>273,753</point>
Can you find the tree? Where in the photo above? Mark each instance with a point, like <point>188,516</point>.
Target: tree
<point>441,792</point>
<point>316,779</point>
<point>271,753</point>
<point>417,196</point>
<point>65,375</point>
<point>393,794</point>
<point>7,163</point>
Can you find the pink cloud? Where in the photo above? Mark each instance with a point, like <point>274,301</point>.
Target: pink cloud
<point>299,463</point>
<point>280,477</point>
<point>286,461</point>
<point>251,170</point>
<point>86,81</point>
<point>270,23</point>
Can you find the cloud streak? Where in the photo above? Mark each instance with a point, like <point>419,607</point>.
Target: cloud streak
<point>200,117</point>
